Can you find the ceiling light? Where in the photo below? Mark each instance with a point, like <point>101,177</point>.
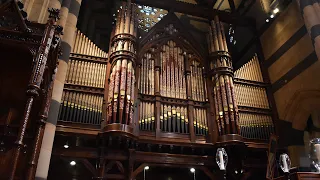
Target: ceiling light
<point>66,146</point>
<point>271,16</point>
<point>276,10</point>
<point>72,163</point>
<point>267,20</point>
<point>146,168</point>
<point>192,170</point>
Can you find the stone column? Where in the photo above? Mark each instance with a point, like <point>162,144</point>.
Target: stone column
<point>67,42</point>
<point>310,10</point>
<point>226,109</point>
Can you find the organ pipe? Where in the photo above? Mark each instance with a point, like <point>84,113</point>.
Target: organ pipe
<point>122,77</point>
<point>221,66</point>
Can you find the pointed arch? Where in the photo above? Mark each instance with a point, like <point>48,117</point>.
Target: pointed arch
<point>300,107</point>
<point>171,28</point>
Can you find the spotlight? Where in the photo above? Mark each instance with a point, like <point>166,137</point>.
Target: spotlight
<point>271,16</point>
<point>66,146</point>
<point>267,20</point>
<point>146,168</point>
<point>276,10</point>
<point>192,170</point>
<point>72,163</point>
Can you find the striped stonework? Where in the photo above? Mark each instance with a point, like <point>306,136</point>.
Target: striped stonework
<point>310,10</point>
<point>69,17</point>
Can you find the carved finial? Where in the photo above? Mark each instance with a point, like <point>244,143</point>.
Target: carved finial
<point>58,30</point>
<point>54,13</point>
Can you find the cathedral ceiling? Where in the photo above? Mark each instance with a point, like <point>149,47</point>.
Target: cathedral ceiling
<point>97,15</point>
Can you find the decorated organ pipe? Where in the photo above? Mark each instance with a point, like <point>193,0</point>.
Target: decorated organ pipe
<point>172,79</point>
<point>120,98</point>
<point>224,91</point>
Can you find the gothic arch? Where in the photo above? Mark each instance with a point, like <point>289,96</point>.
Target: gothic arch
<point>170,28</point>
<point>299,108</point>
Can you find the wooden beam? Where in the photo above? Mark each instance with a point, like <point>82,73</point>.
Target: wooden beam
<point>232,6</point>
<point>196,10</point>
<point>177,159</point>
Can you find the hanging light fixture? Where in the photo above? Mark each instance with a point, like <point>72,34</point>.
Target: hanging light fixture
<point>285,164</point>
<point>222,160</point>
<point>144,172</point>
<point>193,171</point>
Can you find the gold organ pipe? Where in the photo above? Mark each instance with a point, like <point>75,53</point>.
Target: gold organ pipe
<point>132,21</point>
<point>127,19</point>
<point>220,41</point>
<point>122,17</point>
<point>76,44</point>
<point>224,40</point>
<point>82,44</point>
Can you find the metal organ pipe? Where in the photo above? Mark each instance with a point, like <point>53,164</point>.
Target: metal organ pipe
<point>224,96</point>
<point>122,78</point>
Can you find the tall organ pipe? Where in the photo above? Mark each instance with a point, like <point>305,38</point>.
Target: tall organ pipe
<point>226,108</point>
<point>120,99</point>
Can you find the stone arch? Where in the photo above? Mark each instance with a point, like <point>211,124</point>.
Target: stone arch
<point>301,106</point>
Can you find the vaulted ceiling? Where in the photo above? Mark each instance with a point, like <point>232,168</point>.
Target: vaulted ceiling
<point>96,17</point>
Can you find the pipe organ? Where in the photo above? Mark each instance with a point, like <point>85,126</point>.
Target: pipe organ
<point>200,121</point>
<point>81,108</point>
<point>172,79</point>
<point>147,117</point>
<point>172,87</point>
<point>226,108</point>
<point>82,98</point>
<point>147,75</point>
<point>251,94</point>
<point>256,126</point>
<point>174,117</point>
<point>120,98</point>
<point>197,83</point>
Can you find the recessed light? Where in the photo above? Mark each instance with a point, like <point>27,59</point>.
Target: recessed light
<point>66,146</point>
<point>72,163</point>
<point>192,170</point>
<point>267,20</point>
<point>271,16</point>
<point>276,10</point>
<point>146,168</point>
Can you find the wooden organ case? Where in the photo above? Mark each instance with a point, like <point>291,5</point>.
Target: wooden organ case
<point>161,100</point>
<point>30,53</point>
